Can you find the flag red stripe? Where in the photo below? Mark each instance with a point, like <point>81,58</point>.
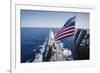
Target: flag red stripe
<point>66,35</point>
<point>64,29</point>
<point>65,32</point>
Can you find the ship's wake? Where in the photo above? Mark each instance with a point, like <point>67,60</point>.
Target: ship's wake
<point>52,50</point>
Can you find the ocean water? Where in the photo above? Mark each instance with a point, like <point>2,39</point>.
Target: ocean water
<point>32,38</point>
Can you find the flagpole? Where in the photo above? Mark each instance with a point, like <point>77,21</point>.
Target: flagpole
<point>75,16</point>
<point>75,19</point>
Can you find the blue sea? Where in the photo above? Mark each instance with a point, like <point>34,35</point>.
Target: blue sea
<point>32,38</point>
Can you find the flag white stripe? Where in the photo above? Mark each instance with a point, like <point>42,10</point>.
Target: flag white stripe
<point>66,35</point>
<point>65,32</point>
<point>64,28</point>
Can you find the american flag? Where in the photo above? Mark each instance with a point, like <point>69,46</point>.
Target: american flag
<point>67,30</point>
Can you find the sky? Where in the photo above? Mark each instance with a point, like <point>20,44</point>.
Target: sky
<point>36,18</point>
